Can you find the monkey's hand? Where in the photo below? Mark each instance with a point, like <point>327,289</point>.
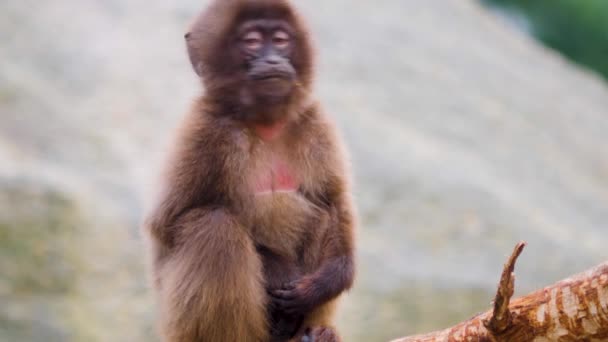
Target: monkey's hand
<point>294,298</point>
<point>303,295</point>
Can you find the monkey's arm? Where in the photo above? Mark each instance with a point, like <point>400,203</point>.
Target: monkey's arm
<point>191,182</point>
<point>335,274</point>
<point>207,271</point>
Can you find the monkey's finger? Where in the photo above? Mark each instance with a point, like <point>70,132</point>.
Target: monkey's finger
<point>281,293</point>
<point>284,294</point>
<point>289,286</point>
<point>288,307</point>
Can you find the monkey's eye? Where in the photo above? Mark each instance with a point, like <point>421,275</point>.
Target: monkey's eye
<point>280,39</point>
<point>253,40</point>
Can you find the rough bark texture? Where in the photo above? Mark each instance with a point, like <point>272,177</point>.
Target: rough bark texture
<point>575,309</point>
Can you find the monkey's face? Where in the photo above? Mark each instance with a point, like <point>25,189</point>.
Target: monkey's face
<point>265,48</point>
<point>254,57</point>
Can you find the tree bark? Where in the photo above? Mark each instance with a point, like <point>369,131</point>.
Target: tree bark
<point>575,309</point>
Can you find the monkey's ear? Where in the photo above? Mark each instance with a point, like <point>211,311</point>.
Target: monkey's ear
<point>194,54</point>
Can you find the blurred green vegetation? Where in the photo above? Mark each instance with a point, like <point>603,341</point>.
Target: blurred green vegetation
<point>576,28</point>
<point>38,259</point>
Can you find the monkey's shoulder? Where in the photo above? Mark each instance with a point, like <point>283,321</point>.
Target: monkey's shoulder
<point>205,134</point>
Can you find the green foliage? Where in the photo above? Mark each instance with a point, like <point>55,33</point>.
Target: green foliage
<point>576,28</point>
<point>34,235</point>
<point>38,260</point>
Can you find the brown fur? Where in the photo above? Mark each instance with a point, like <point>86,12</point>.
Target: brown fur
<point>220,251</point>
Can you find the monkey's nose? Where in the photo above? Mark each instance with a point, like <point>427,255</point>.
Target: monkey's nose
<point>273,60</point>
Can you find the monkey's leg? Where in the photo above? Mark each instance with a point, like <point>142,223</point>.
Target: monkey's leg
<point>212,283</point>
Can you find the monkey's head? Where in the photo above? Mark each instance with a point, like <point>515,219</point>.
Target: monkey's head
<point>252,55</point>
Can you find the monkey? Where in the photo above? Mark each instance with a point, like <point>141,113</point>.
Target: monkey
<point>252,237</point>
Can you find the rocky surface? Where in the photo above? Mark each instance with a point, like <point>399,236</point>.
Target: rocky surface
<point>466,136</point>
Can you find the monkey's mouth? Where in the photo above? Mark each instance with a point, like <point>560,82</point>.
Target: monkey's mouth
<point>275,76</point>
<point>273,85</point>
<point>270,78</point>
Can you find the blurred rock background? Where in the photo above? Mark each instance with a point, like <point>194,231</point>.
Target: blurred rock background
<point>466,136</point>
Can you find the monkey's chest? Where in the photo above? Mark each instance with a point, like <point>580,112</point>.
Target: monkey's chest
<point>282,215</point>
<point>276,176</point>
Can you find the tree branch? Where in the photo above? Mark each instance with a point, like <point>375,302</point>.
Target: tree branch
<point>574,309</point>
<point>501,317</point>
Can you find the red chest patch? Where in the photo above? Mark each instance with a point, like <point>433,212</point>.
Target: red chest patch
<point>278,178</point>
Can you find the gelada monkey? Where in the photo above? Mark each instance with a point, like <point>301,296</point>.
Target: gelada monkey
<point>252,237</point>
